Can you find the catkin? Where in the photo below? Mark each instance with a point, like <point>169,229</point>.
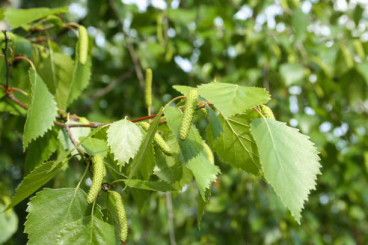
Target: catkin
<point>267,112</point>
<point>122,218</point>
<point>165,148</point>
<point>190,106</point>
<point>148,88</point>
<point>99,173</point>
<point>83,44</point>
<point>209,153</point>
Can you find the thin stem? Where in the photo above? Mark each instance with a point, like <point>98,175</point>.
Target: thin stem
<point>84,175</point>
<point>19,57</point>
<point>260,113</point>
<point>170,218</point>
<point>15,100</point>
<point>73,140</point>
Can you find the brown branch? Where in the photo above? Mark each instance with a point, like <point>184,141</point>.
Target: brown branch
<point>5,52</point>
<point>109,87</point>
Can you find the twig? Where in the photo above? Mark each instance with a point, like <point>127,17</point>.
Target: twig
<point>12,97</point>
<point>110,87</point>
<point>5,52</point>
<point>73,140</point>
<point>133,55</point>
<point>170,218</point>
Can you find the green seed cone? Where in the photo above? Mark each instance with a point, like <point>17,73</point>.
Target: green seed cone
<point>99,173</point>
<point>83,44</point>
<point>267,112</point>
<point>190,106</point>
<point>122,217</point>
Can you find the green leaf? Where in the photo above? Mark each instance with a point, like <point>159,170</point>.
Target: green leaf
<point>8,224</point>
<point>42,110</point>
<point>214,123</point>
<point>149,163</point>
<point>300,22</point>
<point>87,230</point>
<point>231,99</point>
<point>94,146</point>
<point>63,65</point>
<point>169,168</point>
<point>182,89</point>
<point>124,139</point>
<point>292,73</point>
<point>138,161</point>
<point>77,132</point>
<point>204,172</point>
<point>202,203</point>
<point>19,17</point>
<point>33,181</point>
<point>6,105</point>
<point>192,151</point>
<point>41,149</point>
<point>148,185</point>
<point>236,145</point>
<point>289,160</point>
<point>81,76</point>
<point>68,219</point>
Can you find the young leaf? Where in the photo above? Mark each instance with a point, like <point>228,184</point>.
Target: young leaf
<point>68,217</point>
<point>42,110</point>
<point>182,89</point>
<point>236,145</point>
<point>124,139</point>
<point>289,160</point>
<point>231,99</point>
<point>33,181</point>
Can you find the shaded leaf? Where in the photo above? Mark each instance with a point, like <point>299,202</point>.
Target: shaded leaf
<point>33,181</point>
<point>87,230</point>
<point>236,145</point>
<point>41,149</point>
<point>138,161</point>
<point>65,209</point>
<point>192,152</point>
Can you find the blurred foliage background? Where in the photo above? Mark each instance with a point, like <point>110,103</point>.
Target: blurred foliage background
<point>310,55</point>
